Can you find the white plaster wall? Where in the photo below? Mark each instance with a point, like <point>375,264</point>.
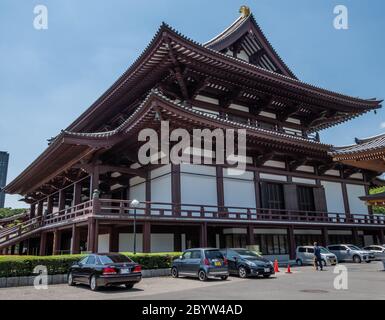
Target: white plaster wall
<point>356,206</point>
<point>103,243</point>
<point>268,176</point>
<point>126,242</point>
<point>161,192</point>
<point>239,193</point>
<point>304,181</point>
<point>198,190</point>
<point>275,164</point>
<point>334,198</point>
<point>162,242</point>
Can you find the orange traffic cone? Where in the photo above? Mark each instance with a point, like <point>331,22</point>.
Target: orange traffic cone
<point>276,269</point>
<point>288,269</point>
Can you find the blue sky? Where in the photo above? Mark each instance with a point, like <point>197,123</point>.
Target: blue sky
<point>49,77</point>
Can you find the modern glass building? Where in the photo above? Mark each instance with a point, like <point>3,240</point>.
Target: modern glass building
<point>4,157</point>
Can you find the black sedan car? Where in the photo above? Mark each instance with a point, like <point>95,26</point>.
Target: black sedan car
<point>245,263</point>
<point>100,270</point>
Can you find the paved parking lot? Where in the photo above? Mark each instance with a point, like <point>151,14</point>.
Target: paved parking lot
<point>365,281</point>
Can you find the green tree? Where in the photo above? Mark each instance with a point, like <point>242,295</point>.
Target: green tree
<point>377,209</point>
<point>9,212</point>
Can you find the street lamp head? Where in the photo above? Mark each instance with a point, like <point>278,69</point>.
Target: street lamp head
<point>134,203</point>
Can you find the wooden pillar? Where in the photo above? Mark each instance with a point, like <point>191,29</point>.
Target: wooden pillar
<point>33,210</point>
<point>346,199</point>
<point>40,208</point>
<point>92,239</point>
<point>95,180</point>
<point>177,242</point>
<point>75,242</point>
<point>43,244</point>
<point>147,237</point>
<point>96,241</point>
<point>381,237</point>
<point>77,198</point>
<point>21,246</point>
<point>257,187</point>
<point>50,204</point>
<point>12,250</point>
<point>355,236</point>
<point>56,242</point>
<point>250,235</point>
<point>203,235</point>
<point>61,199</point>
<point>148,192</point>
<point>291,238</point>
<point>114,239</point>
<point>220,189</point>
<point>175,188</point>
<point>325,237</point>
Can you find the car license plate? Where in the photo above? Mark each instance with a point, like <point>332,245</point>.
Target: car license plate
<point>217,263</point>
<point>125,271</point>
<point>267,270</point>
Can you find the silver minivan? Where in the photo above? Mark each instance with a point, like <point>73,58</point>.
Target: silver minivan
<point>305,256</point>
<point>377,250</point>
<point>349,252</point>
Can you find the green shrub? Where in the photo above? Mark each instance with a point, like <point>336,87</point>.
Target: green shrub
<point>17,266</point>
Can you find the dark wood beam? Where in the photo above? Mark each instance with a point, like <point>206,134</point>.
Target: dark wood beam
<point>295,164</point>
<point>288,112</point>
<point>262,159</point>
<point>256,57</point>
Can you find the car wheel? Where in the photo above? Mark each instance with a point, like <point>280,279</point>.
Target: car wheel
<point>266,276</point>
<point>242,272</point>
<point>129,285</point>
<point>93,284</point>
<point>174,272</point>
<point>368,261</point>
<point>357,259</point>
<point>224,278</point>
<point>202,275</point>
<point>70,280</point>
<point>299,262</point>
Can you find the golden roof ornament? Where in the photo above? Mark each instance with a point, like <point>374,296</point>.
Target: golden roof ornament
<point>245,11</point>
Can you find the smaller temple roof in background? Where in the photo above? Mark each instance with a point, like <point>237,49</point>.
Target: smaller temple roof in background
<point>368,153</point>
<point>377,199</point>
<point>363,149</point>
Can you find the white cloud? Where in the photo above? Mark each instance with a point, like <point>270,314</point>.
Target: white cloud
<point>382,125</point>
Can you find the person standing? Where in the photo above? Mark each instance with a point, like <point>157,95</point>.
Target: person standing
<point>317,257</point>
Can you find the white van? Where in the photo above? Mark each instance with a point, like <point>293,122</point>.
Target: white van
<point>305,256</point>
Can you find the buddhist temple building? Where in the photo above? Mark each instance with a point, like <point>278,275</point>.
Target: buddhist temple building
<point>293,192</point>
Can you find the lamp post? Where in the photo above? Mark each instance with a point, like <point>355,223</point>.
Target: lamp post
<point>134,204</point>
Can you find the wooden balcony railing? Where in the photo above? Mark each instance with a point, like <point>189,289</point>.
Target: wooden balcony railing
<point>35,224</point>
<point>121,209</point>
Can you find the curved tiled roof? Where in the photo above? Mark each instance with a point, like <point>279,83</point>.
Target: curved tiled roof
<point>364,148</point>
<point>158,94</point>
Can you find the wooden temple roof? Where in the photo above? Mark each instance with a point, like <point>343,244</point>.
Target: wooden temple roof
<point>247,34</point>
<point>69,148</point>
<point>170,48</point>
<point>366,153</point>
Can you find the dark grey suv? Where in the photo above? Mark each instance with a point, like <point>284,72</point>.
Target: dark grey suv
<point>203,263</point>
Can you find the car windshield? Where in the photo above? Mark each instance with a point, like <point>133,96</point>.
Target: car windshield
<point>213,254</point>
<point>247,253</point>
<point>324,250</point>
<point>116,258</point>
<point>353,248</point>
